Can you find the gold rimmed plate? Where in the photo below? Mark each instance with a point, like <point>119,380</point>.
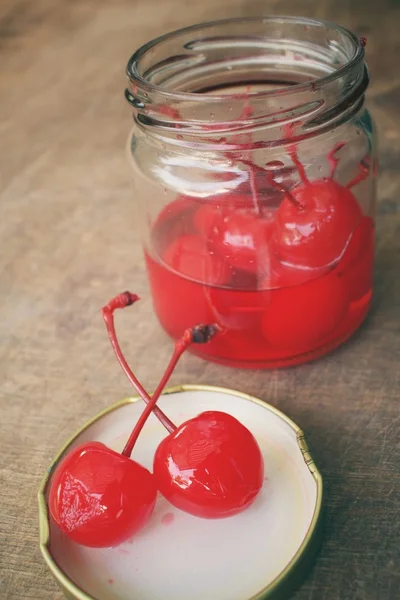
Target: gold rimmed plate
<point>259,554</point>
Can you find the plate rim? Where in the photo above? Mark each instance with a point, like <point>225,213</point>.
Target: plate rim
<point>278,587</point>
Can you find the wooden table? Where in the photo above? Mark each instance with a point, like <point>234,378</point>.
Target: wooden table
<point>69,242</point>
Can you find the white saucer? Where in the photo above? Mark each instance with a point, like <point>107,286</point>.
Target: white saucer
<point>252,555</point>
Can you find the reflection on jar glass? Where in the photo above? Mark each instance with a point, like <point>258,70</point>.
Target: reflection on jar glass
<point>255,170</point>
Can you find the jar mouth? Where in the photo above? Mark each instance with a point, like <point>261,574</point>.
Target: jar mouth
<point>163,65</point>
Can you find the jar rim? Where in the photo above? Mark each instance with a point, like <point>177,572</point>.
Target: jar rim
<point>135,77</point>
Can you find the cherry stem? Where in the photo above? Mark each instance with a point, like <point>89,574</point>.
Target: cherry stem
<point>299,165</point>
<point>245,114</point>
<point>363,173</point>
<point>279,186</point>
<point>253,187</point>
<point>289,130</point>
<point>121,301</point>
<point>333,159</point>
<point>282,188</point>
<point>200,334</point>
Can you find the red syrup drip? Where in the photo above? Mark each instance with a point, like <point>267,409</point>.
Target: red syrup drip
<point>278,261</point>
<point>363,173</point>
<point>168,518</point>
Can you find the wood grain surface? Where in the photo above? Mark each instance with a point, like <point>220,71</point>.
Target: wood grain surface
<point>69,242</point>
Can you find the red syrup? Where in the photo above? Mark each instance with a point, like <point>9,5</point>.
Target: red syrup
<point>274,327</point>
<point>286,281</point>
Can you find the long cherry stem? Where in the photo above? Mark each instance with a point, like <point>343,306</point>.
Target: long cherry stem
<point>363,172</point>
<point>298,163</point>
<point>200,334</point>
<point>121,301</point>
<point>333,159</point>
<point>253,188</point>
<point>280,187</point>
<point>246,113</point>
<point>289,130</point>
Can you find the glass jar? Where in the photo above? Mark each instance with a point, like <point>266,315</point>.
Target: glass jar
<point>255,169</point>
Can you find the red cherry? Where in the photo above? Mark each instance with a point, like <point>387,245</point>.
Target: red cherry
<point>211,466</point>
<point>243,239</point>
<point>100,498</point>
<point>190,256</point>
<point>210,215</point>
<point>299,317</point>
<point>238,230</point>
<point>314,224</point>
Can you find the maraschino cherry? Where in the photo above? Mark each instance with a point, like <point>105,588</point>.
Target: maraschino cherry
<point>314,224</point>
<point>242,238</point>
<point>97,496</point>
<point>239,228</point>
<point>316,219</point>
<point>210,466</point>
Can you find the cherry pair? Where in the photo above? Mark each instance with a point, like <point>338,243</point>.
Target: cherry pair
<point>210,466</point>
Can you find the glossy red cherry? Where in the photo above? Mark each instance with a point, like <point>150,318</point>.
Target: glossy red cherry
<point>314,224</point>
<point>210,214</point>
<point>297,318</point>
<point>190,256</point>
<point>240,236</point>
<point>211,466</point>
<point>243,238</point>
<point>100,498</point>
